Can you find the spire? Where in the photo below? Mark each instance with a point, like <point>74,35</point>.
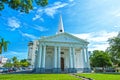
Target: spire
<point>60,26</point>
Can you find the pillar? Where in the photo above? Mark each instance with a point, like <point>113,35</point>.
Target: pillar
<point>88,61</point>
<point>55,59</point>
<point>38,58</point>
<point>40,55</point>
<point>59,59</point>
<point>83,55</point>
<point>43,59</point>
<point>74,60</point>
<point>70,59</point>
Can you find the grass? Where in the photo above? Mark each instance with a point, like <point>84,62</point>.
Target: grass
<point>98,76</point>
<point>37,77</point>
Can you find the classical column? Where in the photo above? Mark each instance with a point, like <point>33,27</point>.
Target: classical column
<point>87,55</point>
<point>55,59</point>
<point>40,55</point>
<point>43,58</point>
<point>74,59</point>
<point>38,58</point>
<point>70,59</point>
<point>83,55</point>
<point>59,59</point>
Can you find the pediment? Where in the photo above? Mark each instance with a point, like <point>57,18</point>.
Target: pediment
<point>64,37</point>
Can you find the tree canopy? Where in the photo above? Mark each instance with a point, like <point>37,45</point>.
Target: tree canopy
<point>22,5</point>
<point>114,49</point>
<point>100,59</point>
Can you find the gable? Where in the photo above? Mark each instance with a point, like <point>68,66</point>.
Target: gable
<point>64,37</point>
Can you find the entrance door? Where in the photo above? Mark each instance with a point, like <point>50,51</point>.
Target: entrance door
<point>62,63</point>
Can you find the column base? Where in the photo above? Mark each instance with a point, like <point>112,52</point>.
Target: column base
<point>87,70</point>
<point>37,70</point>
<point>56,70</point>
<point>72,70</point>
<point>42,70</point>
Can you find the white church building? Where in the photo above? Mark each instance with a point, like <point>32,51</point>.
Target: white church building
<point>61,52</point>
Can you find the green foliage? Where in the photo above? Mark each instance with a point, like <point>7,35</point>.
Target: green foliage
<point>24,63</point>
<point>16,62</point>
<point>100,59</point>
<point>114,49</point>
<point>3,45</point>
<point>8,65</point>
<point>22,5</point>
<point>21,63</point>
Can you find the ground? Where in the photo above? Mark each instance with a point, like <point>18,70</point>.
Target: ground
<point>101,76</point>
<point>37,77</point>
<point>94,76</point>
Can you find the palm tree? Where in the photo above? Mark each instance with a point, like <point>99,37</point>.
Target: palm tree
<point>3,45</point>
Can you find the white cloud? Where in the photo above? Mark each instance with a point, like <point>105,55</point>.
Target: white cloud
<point>50,10</point>
<point>71,0</point>
<point>40,28</point>
<point>117,26</point>
<point>14,23</point>
<point>98,40</point>
<point>37,17</point>
<point>29,36</point>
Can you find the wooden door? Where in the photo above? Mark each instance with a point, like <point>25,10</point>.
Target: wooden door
<point>62,63</point>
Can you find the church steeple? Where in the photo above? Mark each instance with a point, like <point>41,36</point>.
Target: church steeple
<point>60,26</point>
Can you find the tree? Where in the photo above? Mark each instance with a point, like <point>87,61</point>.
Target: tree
<point>8,65</point>
<point>114,49</point>
<point>3,45</point>
<point>24,63</point>
<point>16,62</point>
<point>100,59</point>
<point>22,5</point>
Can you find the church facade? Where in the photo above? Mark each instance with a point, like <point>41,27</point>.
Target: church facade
<point>62,52</point>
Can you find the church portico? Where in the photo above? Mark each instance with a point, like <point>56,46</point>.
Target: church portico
<point>61,53</point>
<point>60,58</point>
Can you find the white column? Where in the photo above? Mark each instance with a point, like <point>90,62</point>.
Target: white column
<point>43,57</point>
<point>36,60</point>
<point>74,59</point>
<point>55,57</point>
<point>83,54</point>
<point>88,62</point>
<point>70,57</point>
<point>59,57</point>
<point>39,56</point>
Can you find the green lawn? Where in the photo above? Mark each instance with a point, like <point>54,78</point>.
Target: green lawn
<point>97,76</point>
<point>37,77</point>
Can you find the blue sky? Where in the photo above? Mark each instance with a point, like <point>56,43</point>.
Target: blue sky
<point>93,20</point>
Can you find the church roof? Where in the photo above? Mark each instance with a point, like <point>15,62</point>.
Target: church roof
<point>64,37</point>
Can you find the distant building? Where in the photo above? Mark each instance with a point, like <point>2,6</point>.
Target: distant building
<point>3,60</point>
<point>32,52</point>
<point>62,52</point>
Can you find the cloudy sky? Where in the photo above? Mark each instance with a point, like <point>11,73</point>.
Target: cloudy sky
<point>93,20</point>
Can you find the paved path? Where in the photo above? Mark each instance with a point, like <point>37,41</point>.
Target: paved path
<point>81,77</point>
